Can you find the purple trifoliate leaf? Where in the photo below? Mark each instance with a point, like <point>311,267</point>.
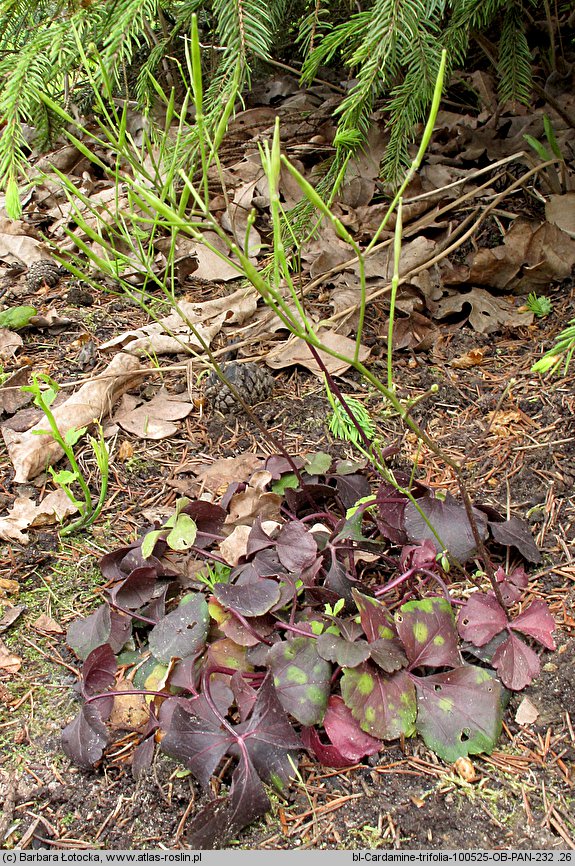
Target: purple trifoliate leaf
<point>299,500</point>
<point>196,743</point>
<point>136,590</point>
<point>449,520</point>
<point>226,653</point>
<point>327,755</point>
<point>142,757</point>
<point>536,622</point>
<point>182,632</point>
<point>121,562</point>
<point>352,488</point>
<point>184,674</point>
<point>380,629</point>
<point>387,655</point>
<point>279,465</point>
<point>383,705</point>
<point>296,547</point>
<point>421,555</point>
<point>516,533</point>
<point>251,598</point>
<point>209,519</point>
<point>345,653</point>
<point>481,618</point>
<point>269,737</point>
<point>511,585</point>
<point>244,695</point>
<point>86,737</point>
<point>345,733</point>
<point>516,663</point>
<point>459,713</point>
<point>376,620</point>
<point>301,678</point>
<point>261,627</point>
<point>98,671</point>
<point>87,633</point>
<point>258,539</point>
<point>224,818</point>
<point>120,630</point>
<point>428,634</point>
<point>390,513</point>
<point>338,581</point>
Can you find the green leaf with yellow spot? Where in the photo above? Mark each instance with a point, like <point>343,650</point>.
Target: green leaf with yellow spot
<point>459,713</point>
<point>301,679</point>
<point>428,633</point>
<point>377,622</point>
<point>383,705</point>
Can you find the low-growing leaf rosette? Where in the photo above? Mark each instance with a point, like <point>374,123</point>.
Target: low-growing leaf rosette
<point>282,641</point>
<point>482,619</point>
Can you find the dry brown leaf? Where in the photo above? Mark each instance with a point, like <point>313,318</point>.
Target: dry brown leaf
<point>47,625</point>
<point>17,245</point>
<point>414,331</point>
<point>296,351</point>
<point>129,712</point>
<point>560,211</point>
<point>470,359</point>
<point>532,255</point>
<point>125,451</point>
<point>194,257</point>
<point>9,587</point>
<point>235,218</point>
<point>254,502</point>
<point>8,661</point>
<point>51,319</point>
<point>217,476</point>
<point>156,337</point>
<point>486,313</point>
<point>11,614</point>
<point>504,423</point>
<point>153,419</point>
<point>413,254</point>
<point>25,513</point>
<point>10,342</point>
<point>31,454</point>
<point>235,545</point>
<point>527,712</point>
<point>11,397</point>
<point>465,769</point>
<point>238,307</point>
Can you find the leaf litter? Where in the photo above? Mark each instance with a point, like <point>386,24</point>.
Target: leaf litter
<point>400,672</point>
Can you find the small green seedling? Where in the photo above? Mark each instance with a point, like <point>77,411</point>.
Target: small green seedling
<point>540,305</point>
<point>341,425</point>
<point>67,478</point>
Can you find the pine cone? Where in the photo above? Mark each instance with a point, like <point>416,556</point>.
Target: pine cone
<point>253,383</point>
<point>44,272</point>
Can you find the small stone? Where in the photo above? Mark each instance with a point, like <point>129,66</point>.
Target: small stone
<point>253,383</point>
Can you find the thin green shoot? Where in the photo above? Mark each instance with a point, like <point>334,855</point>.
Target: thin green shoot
<point>66,478</point>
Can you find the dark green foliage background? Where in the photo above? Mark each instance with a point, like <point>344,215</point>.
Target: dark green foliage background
<point>389,49</point>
